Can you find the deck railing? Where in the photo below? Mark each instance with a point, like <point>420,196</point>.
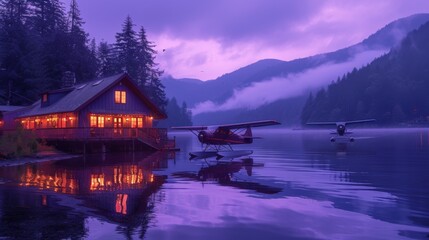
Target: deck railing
<point>156,137</point>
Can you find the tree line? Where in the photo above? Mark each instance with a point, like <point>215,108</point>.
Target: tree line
<point>40,41</point>
<point>392,89</point>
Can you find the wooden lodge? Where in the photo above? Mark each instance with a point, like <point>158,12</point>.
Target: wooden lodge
<point>111,110</point>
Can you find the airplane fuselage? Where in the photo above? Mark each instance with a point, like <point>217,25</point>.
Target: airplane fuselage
<point>223,137</point>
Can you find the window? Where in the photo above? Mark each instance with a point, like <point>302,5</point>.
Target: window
<point>100,122</point>
<point>133,122</point>
<point>45,97</point>
<point>120,97</point>
<point>123,97</point>
<point>93,122</point>
<point>139,122</point>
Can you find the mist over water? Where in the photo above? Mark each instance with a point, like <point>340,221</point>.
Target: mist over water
<point>297,184</point>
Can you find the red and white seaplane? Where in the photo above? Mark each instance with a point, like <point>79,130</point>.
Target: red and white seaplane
<point>218,140</point>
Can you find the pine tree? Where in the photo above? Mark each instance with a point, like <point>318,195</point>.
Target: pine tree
<point>148,72</point>
<point>307,109</point>
<point>48,25</point>
<point>15,52</point>
<point>186,115</point>
<point>106,60</point>
<point>81,60</point>
<point>47,16</point>
<point>127,50</point>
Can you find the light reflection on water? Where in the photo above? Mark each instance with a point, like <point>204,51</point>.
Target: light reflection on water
<point>297,184</point>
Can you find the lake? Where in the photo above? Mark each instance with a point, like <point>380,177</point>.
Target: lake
<point>295,185</point>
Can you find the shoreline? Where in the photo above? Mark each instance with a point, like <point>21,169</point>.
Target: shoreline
<point>40,157</point>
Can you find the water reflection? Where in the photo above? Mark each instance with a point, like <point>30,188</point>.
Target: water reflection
<point>116,188</point>
<point>222,172</point>
<point>296,185</point>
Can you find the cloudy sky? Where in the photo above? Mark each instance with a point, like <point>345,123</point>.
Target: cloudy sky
<point>205,39</point>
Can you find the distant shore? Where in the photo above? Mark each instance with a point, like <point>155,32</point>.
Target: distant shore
<point>40,157</point>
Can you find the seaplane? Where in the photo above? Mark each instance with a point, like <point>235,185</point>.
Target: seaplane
<point>341,129</point>
<point>217,140</point>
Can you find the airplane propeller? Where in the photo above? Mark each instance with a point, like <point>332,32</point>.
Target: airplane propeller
<point>202,136</point>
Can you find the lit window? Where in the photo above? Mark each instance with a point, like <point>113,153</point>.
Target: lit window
<point>120,97</point>
<point>117,96</point>
<point>139,122</point>
<point>45,97</point>
<point>123,97</point>
<point>93,121</point>
<point>100,122</point>
<point>133,122</point>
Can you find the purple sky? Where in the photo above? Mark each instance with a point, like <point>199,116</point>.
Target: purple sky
<point>205,39</point>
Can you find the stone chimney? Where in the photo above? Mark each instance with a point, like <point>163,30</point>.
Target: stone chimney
<point>68,80</point>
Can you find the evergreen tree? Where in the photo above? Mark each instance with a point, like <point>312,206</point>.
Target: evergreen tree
<point>48,25</point>
<point>127,49</point>
<point>148,72</point>
<point>145,58</point>
<point>47,16</point>
<point>106,60</point>
<point>392,89</point>
<point>82,61</point>
<point>177,116</point>
<point>306,111</point>
<point>15,53</point>
<point>186,115</point>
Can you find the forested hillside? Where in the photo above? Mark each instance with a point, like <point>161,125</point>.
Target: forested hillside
<point>287,106</point>
<point>40,42</point>
<point>393,88</point>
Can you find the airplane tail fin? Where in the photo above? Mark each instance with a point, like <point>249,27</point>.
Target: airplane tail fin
<point>248,138</point>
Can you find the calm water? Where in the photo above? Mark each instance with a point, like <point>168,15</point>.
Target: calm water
<point>296,185</point>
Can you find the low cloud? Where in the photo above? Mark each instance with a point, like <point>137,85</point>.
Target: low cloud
<point>205,39</point>
<point>265,92</point>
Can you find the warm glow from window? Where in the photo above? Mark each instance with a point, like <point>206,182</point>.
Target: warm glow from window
<point>97,182</point>
<point>121,203</point>
<point>120,97</point>
<point>123,97</point>
<point>133,122</point>
<point>45,97</point>
<point>101,122</point>
<point>93,121</point>
<point>139,122</point>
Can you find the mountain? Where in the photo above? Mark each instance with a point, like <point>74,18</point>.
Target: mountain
<point>393,88</point>
<point>228,92</point>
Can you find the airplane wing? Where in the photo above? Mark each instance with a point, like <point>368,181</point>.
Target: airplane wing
<point>191,128</point>
<point>230,126</point>
<point>341,122</point>
<point>360,121</point>
<point>321,123</point>
<point>249,124</point>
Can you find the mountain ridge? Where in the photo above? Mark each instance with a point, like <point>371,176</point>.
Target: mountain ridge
<point>393,88</point>
<point>224,87</point>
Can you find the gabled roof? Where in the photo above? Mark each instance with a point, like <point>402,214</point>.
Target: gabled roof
<point>85,93</point>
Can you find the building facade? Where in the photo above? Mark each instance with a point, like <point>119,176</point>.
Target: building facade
<point>111,108</point>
